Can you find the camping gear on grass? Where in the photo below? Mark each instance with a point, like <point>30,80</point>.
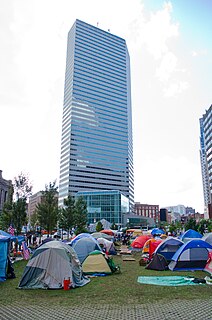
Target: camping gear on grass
<point>4,251</point>
<point>190,235</point>
<point>79,236</point>
<point>167,280</point>
<point>158,262</point>
<point>208,266</point>
<point>208,238</point>
<point>157,231</point>
<point>95,263</point>
<point>168,247</point>
<point>84,246</point>
<point>139,242</point>
<point>108,232</point>
<point>192,255</point>
<point>107,245</point>
<point>97,235</point>
<point>50,264</point>
<point>148,243</point>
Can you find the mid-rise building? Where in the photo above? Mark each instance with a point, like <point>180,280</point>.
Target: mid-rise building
<point>108,205</point>
<point>147,210</point>
<point>5,191</point>
<point>96,146</point>
<point>34,200</point>
<point>206,159</point>
<point>179,209</point>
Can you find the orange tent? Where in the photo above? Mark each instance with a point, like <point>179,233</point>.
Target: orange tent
<point>109,232</point>
<point>146,247</point>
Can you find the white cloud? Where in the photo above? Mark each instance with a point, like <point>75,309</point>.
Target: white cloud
<point>175,88</point>
<point>196,53</point>
<point>167,67</point>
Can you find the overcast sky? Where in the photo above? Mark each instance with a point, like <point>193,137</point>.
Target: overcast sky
<point>170,48</point>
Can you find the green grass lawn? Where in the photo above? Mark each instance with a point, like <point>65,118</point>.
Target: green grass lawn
<point>114,289</point>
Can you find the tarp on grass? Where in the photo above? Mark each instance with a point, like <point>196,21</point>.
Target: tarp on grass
<point>167,280</point>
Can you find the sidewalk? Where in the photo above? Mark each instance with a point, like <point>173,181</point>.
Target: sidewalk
<point>185,310</point>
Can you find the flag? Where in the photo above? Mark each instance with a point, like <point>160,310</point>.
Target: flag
<point>26,253</point>
<point>11,230</point>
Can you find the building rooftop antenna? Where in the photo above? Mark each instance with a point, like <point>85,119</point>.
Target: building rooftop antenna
<point>97,24</point>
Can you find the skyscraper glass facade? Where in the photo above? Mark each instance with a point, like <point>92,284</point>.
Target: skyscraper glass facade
<point>96,147</point>
<point>108,205</point>
<point>206,155</point>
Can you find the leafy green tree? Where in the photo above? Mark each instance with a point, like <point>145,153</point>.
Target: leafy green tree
<point>6,218</point>
<point>80,214</point>
<point>19,214</point>
<point>99,226</point>
<point>114,226</point>
<point>47,209</point>
<point>66,217</point>
<point>191,224</point>
<point>14,212</point>
<point>173,227</point>
<point>34,220</point>
<point>203,225</point>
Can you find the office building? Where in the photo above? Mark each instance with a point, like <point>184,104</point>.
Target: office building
<point>96,146</point>
<point>206,160</point>
<point>108,205</point>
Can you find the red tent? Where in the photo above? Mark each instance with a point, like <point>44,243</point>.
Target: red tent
<point>208,266</point>
<point>153,245</point>
<point>109,232</point>
<point>139,242</point>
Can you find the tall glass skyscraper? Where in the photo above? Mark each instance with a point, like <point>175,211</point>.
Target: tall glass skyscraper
<point>206,159</point>
<point>96,147</point>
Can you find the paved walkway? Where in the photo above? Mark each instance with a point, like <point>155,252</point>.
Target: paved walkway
<point>186,310</point>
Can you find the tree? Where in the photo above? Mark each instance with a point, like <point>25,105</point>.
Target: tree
<point>99,226</point>
<point>114,226</point>
<point>67,214</point>
<point>22,186</point>
<point>191,224</point>
<point>19,216</point>
<point>81,214</point>
<point>34,220</point>
<point>47,209</point>
<point>203,225</point>
<point>6,218</point>
<point>14,212</point>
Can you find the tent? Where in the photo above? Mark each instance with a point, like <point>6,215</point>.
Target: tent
<point>81,235</point>
<point>157,231</point>
<point>168,247</point>
<point>208,238</point>
<point>96,263</point>
<point>97,235</point>
<point>148,243</point>
<point>192,255</point>
<point>4,250</point>
<point>134,232</point>
<point>108,232</point>
<point>84,246</point>
<point>190,234</point>
<point>158,262</point>
<point>50,264</point>
<point>107,245</point>
<point>139,242</point>
<point>208,266</point>
<point>12,238</point>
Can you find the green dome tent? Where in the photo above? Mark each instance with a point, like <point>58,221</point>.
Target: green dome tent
<point>50,264</point>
